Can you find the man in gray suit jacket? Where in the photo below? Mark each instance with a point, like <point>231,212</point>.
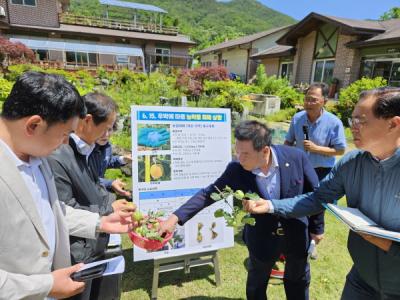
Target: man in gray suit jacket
<point>38,115</point>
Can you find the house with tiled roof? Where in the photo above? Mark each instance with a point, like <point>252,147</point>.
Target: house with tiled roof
<point>66,40</point>
<point>235,54</point>
<point>323,48</point>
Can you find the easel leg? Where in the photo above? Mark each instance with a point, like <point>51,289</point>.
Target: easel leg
<point>216,269</point>
<point>154,289</point>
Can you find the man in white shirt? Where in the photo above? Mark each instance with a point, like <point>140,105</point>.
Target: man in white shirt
<point>40,112</point>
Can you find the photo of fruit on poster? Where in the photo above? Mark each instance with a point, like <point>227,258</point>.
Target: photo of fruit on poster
<point>154,168</point>
<point>155,136</point>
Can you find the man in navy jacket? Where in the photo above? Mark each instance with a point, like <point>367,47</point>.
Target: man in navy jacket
<point>266,170</point>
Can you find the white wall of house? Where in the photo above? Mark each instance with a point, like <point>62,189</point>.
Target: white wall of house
<point>209,58</point>
<point>268,41</point>
<point>236,61</point>
<point>237,58</point>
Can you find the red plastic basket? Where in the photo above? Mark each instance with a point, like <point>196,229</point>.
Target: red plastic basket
<point>147,244</point>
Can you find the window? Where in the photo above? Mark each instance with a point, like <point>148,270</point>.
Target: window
<point>286,70</point>
<point>323,70</point>
<point>81,58</point>
<point>389,69</point>
<point>162,56</point>
<point>42,55</point>
<point>326,43</point>
<point>24,2</point>
<point>122,59</point>
<point>224,62</point>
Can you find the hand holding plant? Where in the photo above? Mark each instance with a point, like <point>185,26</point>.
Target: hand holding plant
<point>233,217</point>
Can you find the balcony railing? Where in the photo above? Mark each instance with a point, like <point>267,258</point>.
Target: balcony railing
<point>66,18</point>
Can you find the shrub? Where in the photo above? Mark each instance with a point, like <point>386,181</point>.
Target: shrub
<point>349,96</point>
<point>278,86</point>
<point>15,51</point>
<point>282,115</point>
<point>227,94</point>
<point>5,89</point>
<point>191,82</point>
<point>16,70</point>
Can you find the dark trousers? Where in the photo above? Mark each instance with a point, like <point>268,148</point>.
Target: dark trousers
<point>296,279</point>
<point>356,288</point>
<point>322,172</point>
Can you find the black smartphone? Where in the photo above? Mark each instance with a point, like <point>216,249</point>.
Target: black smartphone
<point>90,273</point>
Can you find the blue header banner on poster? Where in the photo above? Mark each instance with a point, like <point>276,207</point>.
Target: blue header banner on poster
<point>180,116</point>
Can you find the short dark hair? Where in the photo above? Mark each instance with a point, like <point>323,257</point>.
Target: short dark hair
<point>100,106</point>
<point>319,85</point>
<point>257,132</point>
<point>387,101</point>
<point>49,96</point>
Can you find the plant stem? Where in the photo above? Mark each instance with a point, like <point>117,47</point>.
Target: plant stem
<point>222,195</point>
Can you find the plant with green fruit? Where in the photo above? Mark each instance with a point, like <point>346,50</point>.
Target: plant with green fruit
<point>234,217</point>
<point>148,225</point>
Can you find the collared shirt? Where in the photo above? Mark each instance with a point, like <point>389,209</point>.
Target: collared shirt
<point>36,184</point>
<point>373,187</point>
<point>326,131</point>
<point>269,184</point>
<point>82,147</point>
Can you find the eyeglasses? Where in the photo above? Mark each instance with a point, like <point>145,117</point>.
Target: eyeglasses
<point>356,122</point>
<point>311,100</point>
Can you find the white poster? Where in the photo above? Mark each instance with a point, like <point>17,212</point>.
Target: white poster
<point>176,152</point>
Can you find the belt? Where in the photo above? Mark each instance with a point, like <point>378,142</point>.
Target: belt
<point>279,231</point>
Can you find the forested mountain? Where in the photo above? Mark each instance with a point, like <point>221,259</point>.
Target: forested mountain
<point>207,22</point>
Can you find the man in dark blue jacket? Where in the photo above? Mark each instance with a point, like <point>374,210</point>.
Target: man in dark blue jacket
<point>266,170</point>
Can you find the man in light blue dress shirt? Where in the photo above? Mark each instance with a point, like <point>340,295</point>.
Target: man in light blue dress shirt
<point>317,132</point>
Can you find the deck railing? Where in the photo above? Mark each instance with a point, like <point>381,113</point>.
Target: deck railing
<point>66,18</point>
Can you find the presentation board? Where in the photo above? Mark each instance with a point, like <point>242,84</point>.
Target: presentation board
<point>177,151</point>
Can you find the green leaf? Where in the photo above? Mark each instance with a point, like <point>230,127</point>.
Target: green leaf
<point>252,196</point>
<point>219,213</point>
<point>215,196</point>
<point>239,195</point>
<point>248,220</point>
<point>228,189</point>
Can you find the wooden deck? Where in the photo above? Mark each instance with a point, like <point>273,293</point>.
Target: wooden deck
<point>66,18</point>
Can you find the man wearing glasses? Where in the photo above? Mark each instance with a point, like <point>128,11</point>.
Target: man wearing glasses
<point>369,178</point>
<point>319,133</point>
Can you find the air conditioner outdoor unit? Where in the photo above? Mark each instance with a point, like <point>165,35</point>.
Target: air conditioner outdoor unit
<point>2,12</point>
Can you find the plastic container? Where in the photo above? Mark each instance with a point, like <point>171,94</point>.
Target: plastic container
<point>147,244</point>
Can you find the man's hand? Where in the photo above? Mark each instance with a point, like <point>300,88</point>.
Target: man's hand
<point>381,243</point>
<point>256,206</point>
<point>310,146</point>
<point>317,237</point>
<point>117,222</point>
<point>127,158</point>
<point>63,285</point>
<point>118,187</point>
<point>122,205</point>
<point>168,225</point>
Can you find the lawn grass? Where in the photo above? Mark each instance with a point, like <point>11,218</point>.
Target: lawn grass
<point>328,273</point>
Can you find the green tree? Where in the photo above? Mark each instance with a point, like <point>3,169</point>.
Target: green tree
<point>393,13</point>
